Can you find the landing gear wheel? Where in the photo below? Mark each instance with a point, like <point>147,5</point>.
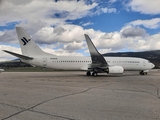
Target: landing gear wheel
<point>94,74</point>
<point>88,73</point>
<point>145,73</point>
<point>142,73</point>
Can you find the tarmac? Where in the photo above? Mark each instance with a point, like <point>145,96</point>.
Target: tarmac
<point>75,96</point>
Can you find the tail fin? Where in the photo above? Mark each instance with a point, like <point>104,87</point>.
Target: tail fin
<point>28,46</point>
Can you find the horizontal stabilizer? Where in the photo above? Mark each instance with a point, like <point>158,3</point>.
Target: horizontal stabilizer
<point>18,55</point>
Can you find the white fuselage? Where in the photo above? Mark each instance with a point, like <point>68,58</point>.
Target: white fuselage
<point>82,63</point>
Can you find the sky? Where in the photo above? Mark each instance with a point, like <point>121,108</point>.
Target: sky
<point>58,26</point>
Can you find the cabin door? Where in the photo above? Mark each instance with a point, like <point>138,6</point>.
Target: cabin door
<point>44,62</point>
<point>144,63</point>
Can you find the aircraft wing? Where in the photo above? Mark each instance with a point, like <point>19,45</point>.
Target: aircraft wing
<point>18,55</point>
<point>98,60</point>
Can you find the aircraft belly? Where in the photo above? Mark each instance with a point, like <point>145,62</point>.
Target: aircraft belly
<point>130,67</point>
<point>66,66</point>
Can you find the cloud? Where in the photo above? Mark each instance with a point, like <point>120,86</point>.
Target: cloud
<point>74,46</point>
<point>8,36</point>
<point>111,41</point>
<point>152,23</point>
<point>133,39</point>
<point>64,33</point>
<point>108,10</point>
<point>62,52</point>
<point>46,24</point>
<point>67,40</point>
<point>133,32</point>
<point>59,52</point>
<point>145,6</point>
<point>53,13</point>
<point>149,43</point>
<point>103,51</point>
<point>5,56</point>
<point>1,33</point>
<point>112,1</point>
<point>105,10</point>
<point>87,24</point>
<point>59,30</point>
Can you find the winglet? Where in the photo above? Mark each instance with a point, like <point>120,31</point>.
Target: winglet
<point>95,55</point>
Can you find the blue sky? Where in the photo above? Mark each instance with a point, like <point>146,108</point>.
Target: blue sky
<point>58,26</point>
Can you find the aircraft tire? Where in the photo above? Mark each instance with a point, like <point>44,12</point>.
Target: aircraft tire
<point>94,74</point>
<point>142,73</point>
<point>88,73</point>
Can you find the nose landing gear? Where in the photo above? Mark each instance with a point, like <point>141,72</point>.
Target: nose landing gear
<point>142,73</point>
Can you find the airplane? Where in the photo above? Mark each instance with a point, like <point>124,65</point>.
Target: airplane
<point>96,63</point>
<point>1,70</point>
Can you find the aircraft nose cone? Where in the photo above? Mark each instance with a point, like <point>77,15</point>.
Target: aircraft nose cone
<point>153,65</point>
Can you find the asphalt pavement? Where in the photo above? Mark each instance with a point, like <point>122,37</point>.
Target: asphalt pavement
<point>75,96</point>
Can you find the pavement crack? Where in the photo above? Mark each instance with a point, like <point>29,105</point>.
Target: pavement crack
<point>65,96</point>
<point>59,98</point>
<point>58,116</point>
<point>31,108</point>
<point>157,91</point>
<point>11,106</point>
<point>13,115</point>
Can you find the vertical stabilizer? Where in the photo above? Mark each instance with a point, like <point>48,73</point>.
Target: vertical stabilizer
<point>28,46</point>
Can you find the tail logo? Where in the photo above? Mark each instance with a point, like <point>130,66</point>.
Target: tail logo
<point>25,41</point>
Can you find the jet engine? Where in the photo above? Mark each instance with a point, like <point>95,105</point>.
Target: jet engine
<point>114,70</point>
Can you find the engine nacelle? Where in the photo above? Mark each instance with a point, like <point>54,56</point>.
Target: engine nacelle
<point>115,70</point>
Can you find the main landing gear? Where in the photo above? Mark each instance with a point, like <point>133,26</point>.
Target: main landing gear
<point>142,73</point>
<point>88,73</point>
<point>94,73</point>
